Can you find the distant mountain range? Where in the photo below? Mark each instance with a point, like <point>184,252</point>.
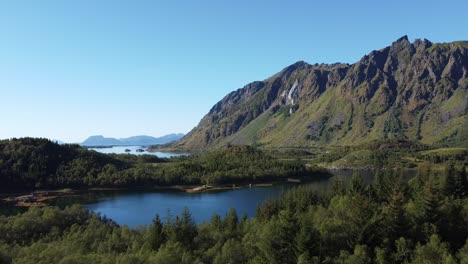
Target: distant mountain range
<point>99,140</point>
<point>412,91</point>
<point>57,141</point>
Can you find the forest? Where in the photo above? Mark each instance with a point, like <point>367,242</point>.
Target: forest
<point>31,164</point>
<point>423,220</point>
<point>392,220</point>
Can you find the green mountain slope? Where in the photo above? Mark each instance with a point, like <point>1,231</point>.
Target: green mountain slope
<point>416,91</point>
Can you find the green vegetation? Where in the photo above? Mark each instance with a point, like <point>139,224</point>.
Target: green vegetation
<point>444,154</point>
<point>375,154</point>
<point>392,221</point>
<point>28,163</point>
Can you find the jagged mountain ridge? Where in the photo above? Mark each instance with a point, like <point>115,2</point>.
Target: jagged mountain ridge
<point>416,91</point>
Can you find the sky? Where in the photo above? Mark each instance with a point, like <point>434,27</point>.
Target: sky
<point>71,69</point>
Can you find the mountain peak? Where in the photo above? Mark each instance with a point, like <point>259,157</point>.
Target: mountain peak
<point>424,43</point>
<point>413,91</point>
<point>286,72</point>
<point>96,136</point>
<point>401,43</point>
<point>402,39</point>
<point>299,64</point>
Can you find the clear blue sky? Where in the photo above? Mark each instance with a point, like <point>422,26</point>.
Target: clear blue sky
<point>70,69</point>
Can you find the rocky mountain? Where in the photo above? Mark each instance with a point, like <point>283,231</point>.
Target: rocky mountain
<point>416,91</point>
<point>131,141</point>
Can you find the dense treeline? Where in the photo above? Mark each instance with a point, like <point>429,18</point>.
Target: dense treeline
<point>423,220</point>
<point>243,163</point>
<point>30,163</point>
<point>390,153</point>
<point>232,164</point>
<point>444,155</point>
<point>384,152</point>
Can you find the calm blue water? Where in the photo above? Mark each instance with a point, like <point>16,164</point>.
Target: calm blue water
<point>134,209</point>
<point>139,208</point>
<point>121,150</point>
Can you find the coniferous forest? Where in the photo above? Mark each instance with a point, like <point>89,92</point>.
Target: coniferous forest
<point>423,220</point>
<point>31,163</point>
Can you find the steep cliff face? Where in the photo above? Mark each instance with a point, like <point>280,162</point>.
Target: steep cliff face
<point>416,91</point>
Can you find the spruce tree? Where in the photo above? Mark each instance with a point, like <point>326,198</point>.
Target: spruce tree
<point>276,241</point>
<point>450,179</point>
<point>460,182</point>
<point>357,185</point>
<point>306,240</point>
<point>384,184</point>
<point>424,173</point>
<point>463,182</point>
<point>395,217</point>
<point>338,187</point>
<point>156,233</point>
<point>379,184</point>
<point>186,227</point>
<point>216,222</point>
<point>429,203</point>
<point>231,221</point>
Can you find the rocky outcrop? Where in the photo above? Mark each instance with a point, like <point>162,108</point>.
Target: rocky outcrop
<point>416,91</point>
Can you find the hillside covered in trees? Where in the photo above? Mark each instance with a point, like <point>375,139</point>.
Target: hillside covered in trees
<point>421,221</point>
<point>29,163</point>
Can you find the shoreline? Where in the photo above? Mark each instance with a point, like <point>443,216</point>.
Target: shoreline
<point>43,197</point>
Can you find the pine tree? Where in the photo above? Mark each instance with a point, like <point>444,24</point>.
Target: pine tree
<point>156,233</point>
<point>395,217</point>
<point>463,182</point>
<point>424,173</point>
<point>379,185</point>
<point>306,240</point>
<point>357,185</point>
<point>338,188</point>
<point>216,222</point>
<point>450,179</point>
<point>243,220</point>
<point>231,221</point>
<point>384,184</point>
<point>402,252</point>
<point>187,229</point>
<point>276,242</point>
<point>304,259</point>
<point>460,182</point>
<point>428,204</point>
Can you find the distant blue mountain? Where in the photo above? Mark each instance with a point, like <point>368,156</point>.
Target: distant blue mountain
<point>99,140</point>
<point>57,141</point>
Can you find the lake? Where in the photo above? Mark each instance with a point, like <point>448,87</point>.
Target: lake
<point>139,208</point>
<point>133,150</point>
